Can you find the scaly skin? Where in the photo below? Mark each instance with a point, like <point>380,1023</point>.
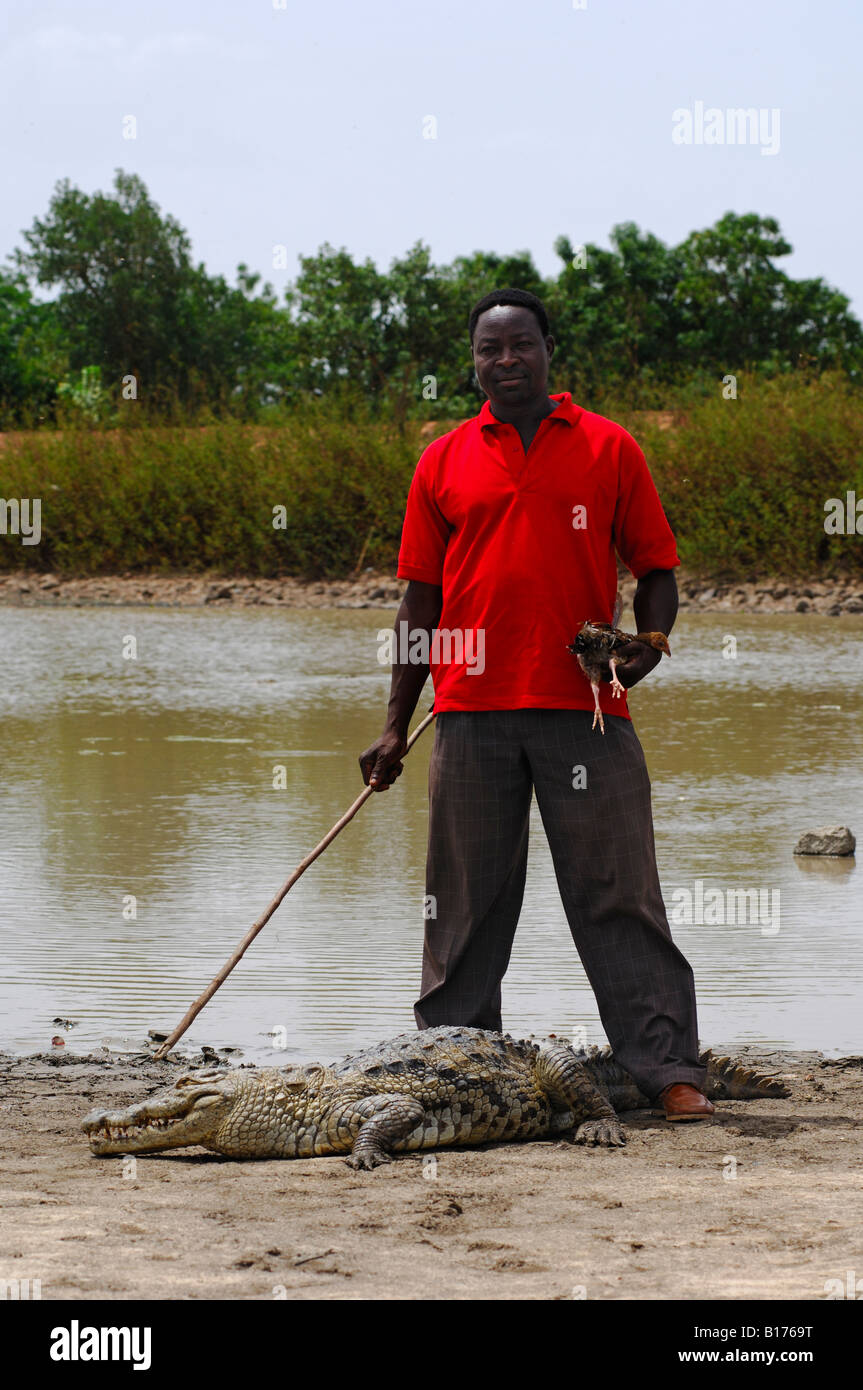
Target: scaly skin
<point>420,1090</point>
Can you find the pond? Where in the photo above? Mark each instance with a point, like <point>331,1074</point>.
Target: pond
<point>141,833</point>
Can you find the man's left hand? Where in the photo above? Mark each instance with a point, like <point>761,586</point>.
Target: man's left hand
<point>637,660</point>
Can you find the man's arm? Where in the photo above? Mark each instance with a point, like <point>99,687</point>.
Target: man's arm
<point>381,763</point>
<point>655,607</point>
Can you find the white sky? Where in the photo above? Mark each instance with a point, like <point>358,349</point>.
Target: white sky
<point>259,126</point>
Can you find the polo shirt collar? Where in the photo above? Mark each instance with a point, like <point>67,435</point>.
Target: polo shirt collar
<point>566,410</point>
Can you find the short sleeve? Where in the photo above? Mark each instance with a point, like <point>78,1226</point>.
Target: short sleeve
<point>426,531</point>
<point>642,535</point>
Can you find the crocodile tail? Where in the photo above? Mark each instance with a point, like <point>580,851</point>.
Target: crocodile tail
<point>729,1079</point>
<point>612,1079</point>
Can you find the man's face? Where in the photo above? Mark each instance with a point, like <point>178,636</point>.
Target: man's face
<point>510,355</point>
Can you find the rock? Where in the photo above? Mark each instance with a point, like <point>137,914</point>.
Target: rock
<point>827,839</point>
<point>854,605</point>
<point>802,606</point>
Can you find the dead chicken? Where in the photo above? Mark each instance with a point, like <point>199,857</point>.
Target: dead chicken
<point>595,646</point>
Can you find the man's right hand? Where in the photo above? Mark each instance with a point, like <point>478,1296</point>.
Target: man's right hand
<point>381,764</point>
<point>419,611</point>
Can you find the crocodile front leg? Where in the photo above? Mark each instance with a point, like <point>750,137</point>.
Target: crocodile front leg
<point>568,1086</point>
<point>384,1120</point>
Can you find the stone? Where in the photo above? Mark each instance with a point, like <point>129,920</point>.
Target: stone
<point>827,839</point>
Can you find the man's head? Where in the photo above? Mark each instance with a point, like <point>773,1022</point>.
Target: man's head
<point>511,346</point>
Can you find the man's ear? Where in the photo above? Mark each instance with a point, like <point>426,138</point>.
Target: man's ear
<point>549,346</point>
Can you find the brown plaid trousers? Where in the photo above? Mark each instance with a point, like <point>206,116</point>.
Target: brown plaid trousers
<point>484,767</point>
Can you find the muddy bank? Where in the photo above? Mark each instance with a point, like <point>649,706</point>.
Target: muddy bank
<point>375,590</point>
<point>764,1203</point>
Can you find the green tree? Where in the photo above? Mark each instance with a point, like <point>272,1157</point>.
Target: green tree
<point>639,317</point>
<point>614,312</point>
<point>124,274</point>
<point>738,307</point>
<point>427,335</point>
<point>243,346</point>
<point>342,313</point>
<point>132,302</point>
<point>32,356</point>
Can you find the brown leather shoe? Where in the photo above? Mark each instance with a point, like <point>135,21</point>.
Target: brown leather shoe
<point>682,1102</point>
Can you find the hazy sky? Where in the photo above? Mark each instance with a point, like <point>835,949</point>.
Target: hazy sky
<point>260,126</point>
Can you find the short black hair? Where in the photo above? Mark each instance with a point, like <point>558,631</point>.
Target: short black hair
<point>520,299</point>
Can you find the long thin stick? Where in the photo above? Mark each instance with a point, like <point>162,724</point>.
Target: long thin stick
<point>262,921</point>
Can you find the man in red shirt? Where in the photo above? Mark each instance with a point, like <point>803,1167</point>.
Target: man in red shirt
<point>512,524</point>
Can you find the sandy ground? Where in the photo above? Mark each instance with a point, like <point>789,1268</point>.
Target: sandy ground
<point>28,588</point>
<point>656,1220</point>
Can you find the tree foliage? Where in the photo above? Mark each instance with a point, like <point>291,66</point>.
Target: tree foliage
<point>128,299</point>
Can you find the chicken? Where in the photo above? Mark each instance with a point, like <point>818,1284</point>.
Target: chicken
<point>594,649</point>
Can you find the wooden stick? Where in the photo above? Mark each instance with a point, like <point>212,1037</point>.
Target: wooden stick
<point>262,921</point>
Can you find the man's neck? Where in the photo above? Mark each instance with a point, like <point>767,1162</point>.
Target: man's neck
<point>528,413</point>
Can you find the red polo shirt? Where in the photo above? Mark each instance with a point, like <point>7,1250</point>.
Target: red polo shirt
<point>523,547</point>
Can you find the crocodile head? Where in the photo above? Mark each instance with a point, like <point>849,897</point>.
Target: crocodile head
<point>246,1112</point>
<point>190,1112</point>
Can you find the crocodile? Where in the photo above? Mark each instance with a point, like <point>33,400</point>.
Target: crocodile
<point>420,1090</point>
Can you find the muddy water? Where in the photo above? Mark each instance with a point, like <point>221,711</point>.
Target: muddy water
<point>141,833</point>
